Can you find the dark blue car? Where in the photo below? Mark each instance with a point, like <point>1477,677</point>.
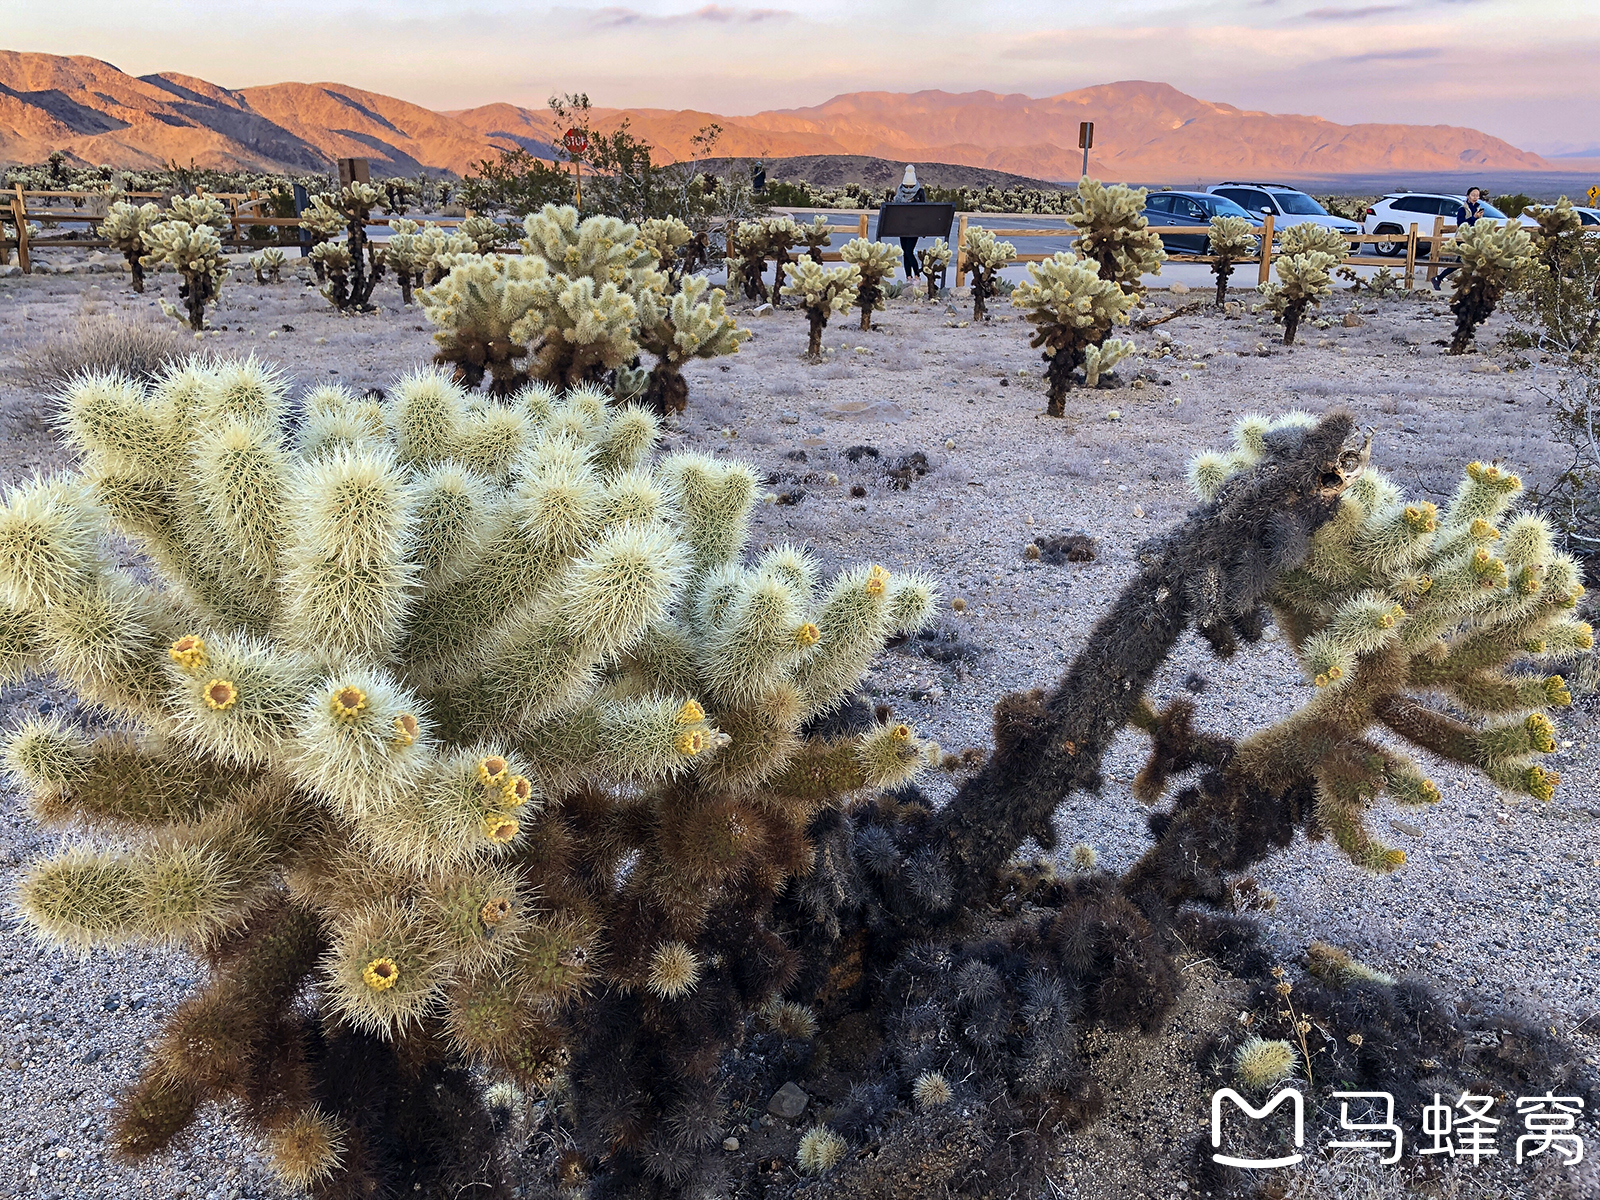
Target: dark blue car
<point>1191,208</point>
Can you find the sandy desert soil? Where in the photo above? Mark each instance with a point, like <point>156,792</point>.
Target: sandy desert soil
<point>1499,901</point>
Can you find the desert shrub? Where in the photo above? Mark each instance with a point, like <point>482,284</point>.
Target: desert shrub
<point>351,269</point>
<point>1492,257</point>
<point>1307,255</point>
<point>1113,232</point>
<point>195,253</point>
<point>123,226</point>
<point>517,183</point>
<point>1232,239</point>
<point>452,736</point>
<point>876,263</point>
<point>98,344</point>
<point>1560,233</point>
<point>935,261</point>
<point>746,259</point>
<point>268,265</point>
<point>984,258</point>
<point>821,291</point>
<point>421,254</point>
<point>199,209</point>
<point>1514,204</point>
<point>485,233</point>
<point>679,321</point>
<point>1071,308</point>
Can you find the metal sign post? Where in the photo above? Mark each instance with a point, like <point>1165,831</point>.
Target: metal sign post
<point>576,144</point>
<point>1085,140</point>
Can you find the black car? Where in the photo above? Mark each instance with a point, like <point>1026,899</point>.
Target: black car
<point>1191,208</point>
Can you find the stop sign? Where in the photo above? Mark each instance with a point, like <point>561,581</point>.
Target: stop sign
<point>576,141</point>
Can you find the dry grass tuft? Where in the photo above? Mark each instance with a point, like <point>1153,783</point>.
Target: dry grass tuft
<point>97,341</point>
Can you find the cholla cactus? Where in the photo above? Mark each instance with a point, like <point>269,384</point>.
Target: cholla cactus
<point>675,326</point>
<point>1261,1063</point>
<point>876,263</point>
<point>1113,232</point>
<point>822,291</point>
<point>1231,240</point>
<point>1071,308</point>
<point>818,236</point>
<point>984,257</point>
<point>778,236</point>
<point>1560,232</point>
<point>352,271</point>
<point>199,209</point>
<point>195,252</point>
<point>1097,360</point>
<point>1396,603</point>
<point>485,233</point>
<point>268,265</point>
<point>747,259</point>
<point>421,254</point>
<point>935,261</point>
<point>665,237</point>
<point>1491,258</point>
<point>123,226</point>
<point>322,220</point>
<point>417,680</point>
<point>1307,256</point>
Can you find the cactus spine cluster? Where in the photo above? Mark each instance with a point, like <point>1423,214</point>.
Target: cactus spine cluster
<point>1097,360</point>
<point>821,291</point>
<point>1307,255</point>
<point>1114,234</point>
<point>1072,310</point>
<point>984,257</point>
<point>875,262</point>
<point>935,261</point>
<point>1492,256</point>
<point>447,720</point>
<point>124,226</point>
<point>1231,240</point>
<point>1398,603</point>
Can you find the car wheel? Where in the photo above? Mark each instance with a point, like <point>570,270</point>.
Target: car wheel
<point>1388,249</point>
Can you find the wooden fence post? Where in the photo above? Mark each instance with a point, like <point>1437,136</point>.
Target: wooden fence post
<point>863,230</point>
<point>1411,257</point>
<point>233,216</point>
<point>1266,250</point>
<point>1433,249</point>
<point>961,241</point>
<point>19,210</point>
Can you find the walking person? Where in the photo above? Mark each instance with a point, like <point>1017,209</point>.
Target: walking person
<point>1466,214</point>
<point>910,192</point>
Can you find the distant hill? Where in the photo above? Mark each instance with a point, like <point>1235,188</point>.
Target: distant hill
<point>836,170</point>
<point>100,115</point>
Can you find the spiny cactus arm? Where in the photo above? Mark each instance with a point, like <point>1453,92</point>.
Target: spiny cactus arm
<point>643,740</point>
<point>383,974</point>
<point>239,478</point>
<point>714,500</point>
<point>1097,360</point>
<point>760,636</point>
<point>455,510</point>
<point>22,644</point>
<point>361,741</point>
<point>829,772</point>
<point>852,621</point>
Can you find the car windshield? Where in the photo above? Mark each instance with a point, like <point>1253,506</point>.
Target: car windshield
<point>1227,208</point>
<point>1298,204</point>
<point>1490,210</point>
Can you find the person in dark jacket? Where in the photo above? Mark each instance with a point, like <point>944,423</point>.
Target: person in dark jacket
<point>1466,214</point>
<point>910,192</point>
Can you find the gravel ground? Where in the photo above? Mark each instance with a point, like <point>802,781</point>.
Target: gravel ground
<point>1499,900</point>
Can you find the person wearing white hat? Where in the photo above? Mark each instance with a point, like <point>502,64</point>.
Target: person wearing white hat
<point>910,192</point>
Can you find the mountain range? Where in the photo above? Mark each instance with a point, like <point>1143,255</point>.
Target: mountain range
<point>99,115</point>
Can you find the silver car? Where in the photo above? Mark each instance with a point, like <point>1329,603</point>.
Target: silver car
<point>1285,205</point>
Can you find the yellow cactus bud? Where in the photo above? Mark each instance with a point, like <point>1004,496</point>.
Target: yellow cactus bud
<point>691,712</point>
<point>517,791</point>
<point>1542,784</point>
<point>1483,531</point>
<point>901,733</point>
<point>347,703</point>
<point>405,730</point>
<point>189,652</point>
<point>1422,518</point>
<point>1430,791</point>
<point>381,974</point>
<point>220,695</point>
<point>1555,688</point>
<point>493,771</point>
<point>877,580</point>
<point>1534,645</point>
<point>1392,860</point>
<point>807,635</point>
<point>1541,733</point>
<point>495,910</point>
<point>690,742</point>
<point>499,828</point>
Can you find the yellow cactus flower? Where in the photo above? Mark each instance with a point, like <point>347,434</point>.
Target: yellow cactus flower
<point>493,771</point>
<point>807,635</point>
<point>1430,792</point>
<point>901,733</point>
<point>690,713</point>
<point>1422,518</point>
<point>405,730</point>
<point>1393,860</point>
<point>495,910</point>
<point>1555,688</point>
<point>220,695</point>
<point>189,652</point>
<point>1541,733</point>
<point>381,974</point>
<point>1542,784</point>
<point>347,703</point>
<point>877,580</point>
<point>499,828</point>
<point>690,742</point>
<point>517,791</point>
<point>1483,531</point>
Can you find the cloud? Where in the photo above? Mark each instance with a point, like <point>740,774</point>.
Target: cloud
<point>1412,55</point>
<point>1352,14</point>
<point>710,14</point>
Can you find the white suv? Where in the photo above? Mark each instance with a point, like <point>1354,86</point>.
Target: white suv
<point>1284,204</point>
<point>1398,211</point>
